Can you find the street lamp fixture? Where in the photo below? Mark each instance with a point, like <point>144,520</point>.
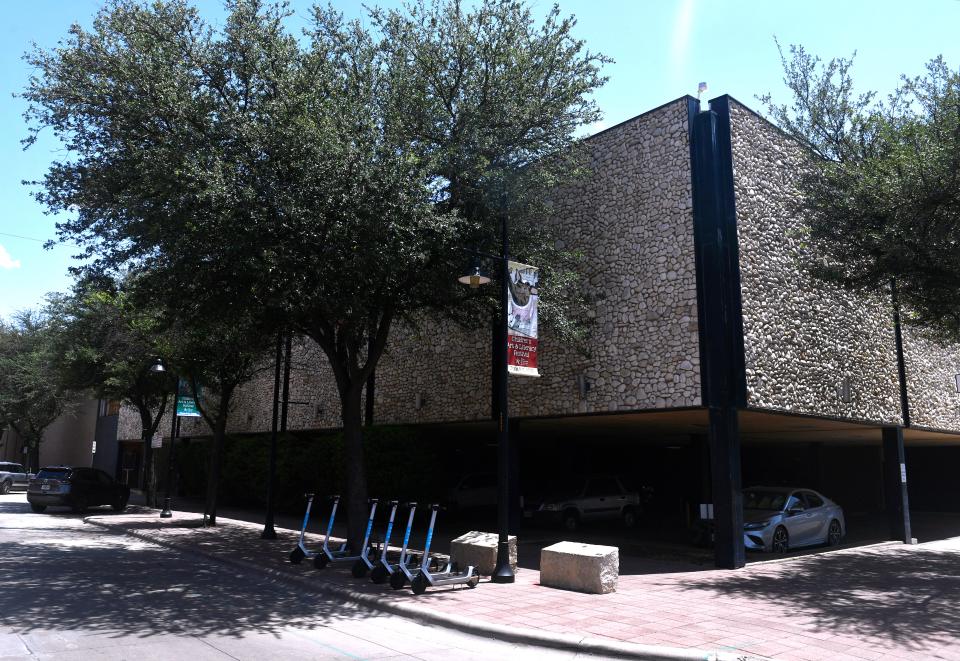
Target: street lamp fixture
<point>474,277</point>
<point>158,366</point>
<point>503,572</point>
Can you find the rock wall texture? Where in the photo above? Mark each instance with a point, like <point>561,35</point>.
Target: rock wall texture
<point>931,388</point>
<point>802,338</point>
<point>633,220</point>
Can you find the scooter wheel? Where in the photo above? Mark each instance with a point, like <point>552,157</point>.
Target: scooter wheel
<point>359,569</point>
<point>419,584</point>
<point>397,580</point>
<point>474,581</point>
<point>378,575</point>
<point>297,555</point>
<point>320,561</point>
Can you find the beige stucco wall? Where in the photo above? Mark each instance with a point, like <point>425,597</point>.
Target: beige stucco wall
<point>633,220</point>
<point>801,336</point>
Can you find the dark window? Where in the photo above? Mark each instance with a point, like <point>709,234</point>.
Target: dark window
<point>17,468</point>
<point>813,500</point>
<point>795,503</point>
<point>83,474</point>
<point>53,473</point>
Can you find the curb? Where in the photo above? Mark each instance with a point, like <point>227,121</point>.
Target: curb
<point>524,636</point>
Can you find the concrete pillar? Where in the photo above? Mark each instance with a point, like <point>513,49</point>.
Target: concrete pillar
<point>895,484</point>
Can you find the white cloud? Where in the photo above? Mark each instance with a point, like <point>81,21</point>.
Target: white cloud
<point>680,43</point>
<point>6,261</point>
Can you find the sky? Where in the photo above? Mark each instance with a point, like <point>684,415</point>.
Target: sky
<point>662,50</point>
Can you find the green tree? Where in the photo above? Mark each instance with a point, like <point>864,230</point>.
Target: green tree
<point>258,180</point>
<point>30,394</point>
<point>105,344</point>
<point>881,196</point>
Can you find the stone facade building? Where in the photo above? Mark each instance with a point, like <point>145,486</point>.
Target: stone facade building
<point>706,325</point>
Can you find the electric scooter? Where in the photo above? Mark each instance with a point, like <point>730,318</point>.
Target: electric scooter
<point>448,576</point>
<point>300,551</point>
<point>384,568</point>
<point>361,562</point>
<point>401,572</point>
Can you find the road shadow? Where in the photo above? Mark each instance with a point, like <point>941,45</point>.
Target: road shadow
<point>904,596</point>
<point>89,580</point>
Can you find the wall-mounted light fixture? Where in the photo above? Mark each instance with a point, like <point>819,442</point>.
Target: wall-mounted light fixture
<point>319,411</point>
<point>419,401</point>
<point>844,390</point>
<point>956,382</point>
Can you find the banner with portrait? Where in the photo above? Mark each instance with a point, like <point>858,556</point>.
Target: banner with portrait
<point>522,319</point>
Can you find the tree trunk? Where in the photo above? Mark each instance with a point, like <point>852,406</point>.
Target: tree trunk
<point>216,462</point>
<point>357,510</point>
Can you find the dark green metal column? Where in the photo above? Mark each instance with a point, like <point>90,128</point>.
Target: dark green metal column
<point>721,323</point>
<point>895,484</point>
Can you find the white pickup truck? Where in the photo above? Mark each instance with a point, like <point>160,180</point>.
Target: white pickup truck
<point>12,476</point>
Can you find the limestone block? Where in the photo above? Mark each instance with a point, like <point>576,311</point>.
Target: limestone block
<point>581,567</point>
<point>479,549</point>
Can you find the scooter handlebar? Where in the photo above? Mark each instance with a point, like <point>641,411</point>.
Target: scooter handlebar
<point>372,501</point>
<point>308,495</point>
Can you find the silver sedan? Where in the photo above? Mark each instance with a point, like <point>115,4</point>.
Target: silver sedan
<point>776,519</point>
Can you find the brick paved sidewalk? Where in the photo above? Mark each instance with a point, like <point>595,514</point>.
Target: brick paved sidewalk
<point>885,601</point>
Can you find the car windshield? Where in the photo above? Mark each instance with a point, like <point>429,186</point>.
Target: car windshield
<point>758,499</point>
<point>53,473</point>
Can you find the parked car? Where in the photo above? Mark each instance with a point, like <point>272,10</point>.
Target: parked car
<point>777,519</point>
<point>12,476</point>
<point>77,488</point>
<point>591,498</point>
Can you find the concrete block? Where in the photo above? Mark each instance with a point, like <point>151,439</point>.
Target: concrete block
<point>480,550</point>
<point>581,567</point>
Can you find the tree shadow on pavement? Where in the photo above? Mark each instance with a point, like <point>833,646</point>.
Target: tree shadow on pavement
<point>96,581</point>
<point>891,594</point>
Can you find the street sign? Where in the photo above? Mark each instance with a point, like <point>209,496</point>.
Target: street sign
<point>187,401</point>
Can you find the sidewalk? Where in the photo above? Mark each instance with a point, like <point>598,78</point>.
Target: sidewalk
<point>884,601</point>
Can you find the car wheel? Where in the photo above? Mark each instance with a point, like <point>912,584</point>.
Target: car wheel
<point>39,509</point>
<point>834,533</point>
<point>571,520</point>
<point>5,487</point>
<point>630,518</point>
<point>781,540</point>
<point>120,505</point>
<point>397,580</point>
<point>79,505</point>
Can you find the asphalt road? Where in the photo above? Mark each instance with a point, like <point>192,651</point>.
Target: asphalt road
<point>73,591</point>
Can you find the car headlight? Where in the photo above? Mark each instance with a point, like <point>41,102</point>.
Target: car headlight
<point>550,507</point>
<point>756,526</point>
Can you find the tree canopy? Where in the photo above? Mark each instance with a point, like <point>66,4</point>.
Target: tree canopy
<point>31,395</point>
<point>325,184</point>
<point>881,198</point>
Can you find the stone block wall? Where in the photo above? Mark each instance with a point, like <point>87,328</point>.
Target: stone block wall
<point>931,388</point>
<point>633,220</point>
<point>802,337</point>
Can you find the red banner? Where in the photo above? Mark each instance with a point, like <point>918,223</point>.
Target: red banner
<point>522,319</point>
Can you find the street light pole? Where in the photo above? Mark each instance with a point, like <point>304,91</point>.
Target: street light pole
<point>174,428</point>
<point>503,572</point>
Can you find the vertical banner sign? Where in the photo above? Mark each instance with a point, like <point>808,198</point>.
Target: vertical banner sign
<point>522,319</point>
<point>187,400</point>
